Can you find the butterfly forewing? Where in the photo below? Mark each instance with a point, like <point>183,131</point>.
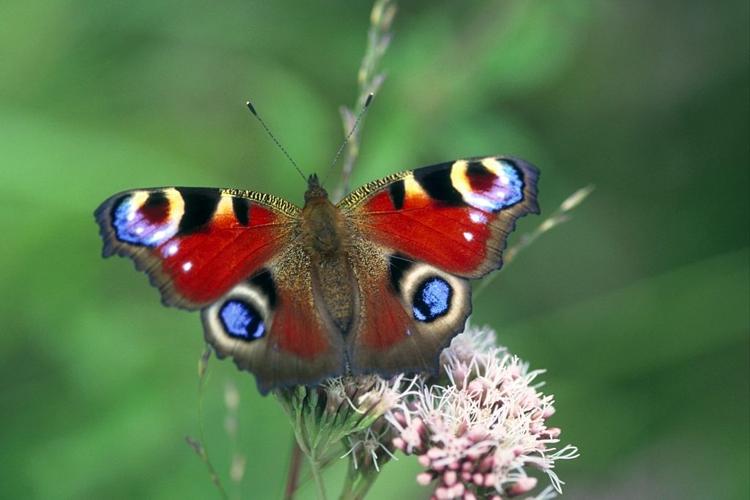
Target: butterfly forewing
<point>455,215</point>
<point>195,243</point>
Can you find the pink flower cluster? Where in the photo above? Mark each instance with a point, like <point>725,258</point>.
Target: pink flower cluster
<point>476,435</point>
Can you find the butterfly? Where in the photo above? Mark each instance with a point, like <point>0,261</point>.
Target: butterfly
<point>377,283</point>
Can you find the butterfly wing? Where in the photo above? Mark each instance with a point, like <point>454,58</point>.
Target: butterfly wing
<point>270,325</point>
<point>455,216</point>
<point>408,312</point>
<point>195,243</point>
<point>234,255</point>
<point>427,231</point>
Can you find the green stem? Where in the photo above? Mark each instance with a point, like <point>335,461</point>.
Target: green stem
<point>347,491</point>
<point>357,487</point>
<point>295,462</point>
<point>316,471</point>
<point>358,481</point>
<point>560,216</point>
<point>368,81</point>
<point>363,485</point>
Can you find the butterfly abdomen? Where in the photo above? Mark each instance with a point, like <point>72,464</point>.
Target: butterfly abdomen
<point>327,240</point>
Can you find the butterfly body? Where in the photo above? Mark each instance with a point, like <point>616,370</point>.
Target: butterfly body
<point>328,240</point>
<point>377,283</point>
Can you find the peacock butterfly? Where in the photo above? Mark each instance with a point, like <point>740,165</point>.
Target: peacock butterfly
<point>377,283</point>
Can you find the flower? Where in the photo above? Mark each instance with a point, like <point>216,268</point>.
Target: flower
<point>368,448</point>
<point>477,433</point>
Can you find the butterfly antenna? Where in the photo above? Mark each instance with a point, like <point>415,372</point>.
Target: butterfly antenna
<point>351,133</point>
<point>273,138</point>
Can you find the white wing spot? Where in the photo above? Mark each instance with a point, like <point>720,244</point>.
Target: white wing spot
<point>478,217</point>
<point>469,236</point>
<point>187,266</point>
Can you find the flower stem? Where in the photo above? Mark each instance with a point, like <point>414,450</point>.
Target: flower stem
<point>292,478</point>
<point>347,492</point>
<point>358,489</point>
<point>357,484</point>
<point>316,470</point>
<point>560,216</point>
<point>363,485</point>
<point>368,82</point>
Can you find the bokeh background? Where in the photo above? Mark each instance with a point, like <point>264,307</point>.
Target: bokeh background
<point>638,307</point>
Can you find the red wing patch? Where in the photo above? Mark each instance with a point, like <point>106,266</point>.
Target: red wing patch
<point>296,330</point>
<point>384,322</point>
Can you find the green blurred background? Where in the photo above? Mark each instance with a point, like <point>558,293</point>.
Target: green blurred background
<point>638,308</point>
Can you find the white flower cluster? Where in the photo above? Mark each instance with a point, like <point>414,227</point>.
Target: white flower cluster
<point>477,434</point>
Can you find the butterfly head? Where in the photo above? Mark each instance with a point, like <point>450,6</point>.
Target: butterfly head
<point>314,189</point>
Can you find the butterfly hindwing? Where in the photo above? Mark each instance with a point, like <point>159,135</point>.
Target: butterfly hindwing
<point>409,312</point>
<point>195,243</point>
<point>270,325</point>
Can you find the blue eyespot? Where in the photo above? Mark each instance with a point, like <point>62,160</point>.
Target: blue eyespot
<point>493,190</point>
<point>133,226</point>
<point>514,185</point>
<point>241,320</point>
<point>432,299</point>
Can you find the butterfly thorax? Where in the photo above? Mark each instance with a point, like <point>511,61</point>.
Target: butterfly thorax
<point>326,236</point>
<point>323,225</point>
